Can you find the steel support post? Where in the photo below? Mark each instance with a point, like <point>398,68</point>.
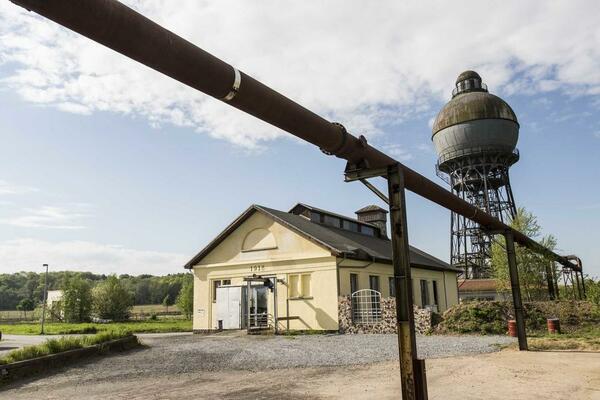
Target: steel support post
<point>582,285</point>
<point>579,296</point>
<point>550,281</point>
<point>412,370</point>
<point>248,299</point>
<point>275,304</point>
<point>516,289</point>
<point>555,278</point>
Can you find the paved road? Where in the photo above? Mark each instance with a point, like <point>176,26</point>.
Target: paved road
<point>12,342</point>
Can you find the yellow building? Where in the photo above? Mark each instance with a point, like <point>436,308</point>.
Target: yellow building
<point>289,269</point>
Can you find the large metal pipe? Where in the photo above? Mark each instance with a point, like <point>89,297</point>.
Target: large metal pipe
<point>124,30</point>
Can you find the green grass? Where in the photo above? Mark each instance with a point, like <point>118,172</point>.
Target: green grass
<point>153,308</point>
<point>585,337</point>
<point>61,328</point>
<point>53,346</point>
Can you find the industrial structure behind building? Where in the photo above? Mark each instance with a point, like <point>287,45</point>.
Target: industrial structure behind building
<point>475,136</point>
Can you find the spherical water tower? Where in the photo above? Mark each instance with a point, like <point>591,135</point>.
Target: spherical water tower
<point>475,136</point>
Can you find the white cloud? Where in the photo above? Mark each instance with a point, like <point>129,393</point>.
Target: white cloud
<point>48,217</point>
<point>397,150</point>
<point>347,60</point>
<point>7,188</point>
<point>30,254</point>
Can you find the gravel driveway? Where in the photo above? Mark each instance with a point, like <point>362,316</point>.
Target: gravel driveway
<point>194,366</point>
<point>187,353</point>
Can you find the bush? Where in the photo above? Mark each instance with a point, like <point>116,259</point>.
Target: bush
<point>77,300</point>
<point>53,346</point>
<point>111,300</point>
<point>491,317</point>
<point>483,317</point>
<point>185,299</point>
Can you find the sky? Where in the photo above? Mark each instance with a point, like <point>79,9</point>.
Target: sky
<point>110,167</point>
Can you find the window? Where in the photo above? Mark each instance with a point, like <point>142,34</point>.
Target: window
<point>424,293</point>
<point>392,286</point>
<point>299,286</point>
<point>374,282</point>
<point>435,293</point>
<point>217,283</point>
<point>333,221</point>
<point>350,226</point>
<point>293,286</point>
<point>353,283</point>
<point>315,216</point>
<point>305,285</point>
<point>367,230</point>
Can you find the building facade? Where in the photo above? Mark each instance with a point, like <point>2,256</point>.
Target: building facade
<point>288,269</point>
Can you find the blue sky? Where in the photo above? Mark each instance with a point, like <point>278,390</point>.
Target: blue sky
<point>110,167</point>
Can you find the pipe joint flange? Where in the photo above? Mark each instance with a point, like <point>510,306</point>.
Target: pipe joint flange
<point>342,142</point>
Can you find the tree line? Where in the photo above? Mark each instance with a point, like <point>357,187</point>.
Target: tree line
<point>111,300</point>
<point>27,288</point>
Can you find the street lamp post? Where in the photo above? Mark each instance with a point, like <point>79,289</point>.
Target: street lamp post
<point>45,298</point>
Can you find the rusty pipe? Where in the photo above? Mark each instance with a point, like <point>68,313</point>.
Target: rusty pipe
<point>124,30</point>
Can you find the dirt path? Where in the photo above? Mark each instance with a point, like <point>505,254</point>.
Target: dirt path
<point>507,374</point>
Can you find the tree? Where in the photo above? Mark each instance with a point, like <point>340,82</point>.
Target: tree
<point>592,290</point>
<point>76,300</point>
<point>26,305</point>
<point>185,299</point>
<point>111,300</point>
<point>167,301</point>
<point>532,267</point>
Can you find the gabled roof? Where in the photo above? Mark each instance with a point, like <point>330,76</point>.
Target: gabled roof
<point>320,210</point>
<point>340,242</point>
<point>370,208</point>
<point>477,285</point>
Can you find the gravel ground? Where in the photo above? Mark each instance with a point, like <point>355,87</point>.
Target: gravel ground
<point>227,352</point>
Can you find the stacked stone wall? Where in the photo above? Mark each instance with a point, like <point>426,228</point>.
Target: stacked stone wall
<point>423,318</point>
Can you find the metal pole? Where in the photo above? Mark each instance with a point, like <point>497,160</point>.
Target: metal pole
<point>248,299</point>
<point>516,289</point>
<point>549,280</point>
<point>555,279</point>
<point>578,296</point>
<point>275,302</point>
<point>412,370</point>
<point>44,299</point>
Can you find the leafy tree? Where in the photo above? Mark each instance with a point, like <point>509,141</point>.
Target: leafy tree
<point>110,300</point>
<point>185,299</point>
<point>532,267</point>
<point>77,300</point>
<point>167,301</point>
<point>26,305</point>
<point>592,290</point>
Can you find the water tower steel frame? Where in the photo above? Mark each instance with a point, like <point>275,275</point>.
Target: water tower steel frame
<point>475,135</point>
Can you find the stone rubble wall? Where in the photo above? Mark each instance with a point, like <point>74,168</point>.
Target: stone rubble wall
<point>423,318</point>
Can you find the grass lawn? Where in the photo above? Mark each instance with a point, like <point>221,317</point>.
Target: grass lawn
<point>65,343</point>
<point>59,328</point>
<point>586,337</point>
<point>153,308</point>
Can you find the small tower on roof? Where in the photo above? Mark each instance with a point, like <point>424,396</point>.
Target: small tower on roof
<point>374,215</point>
